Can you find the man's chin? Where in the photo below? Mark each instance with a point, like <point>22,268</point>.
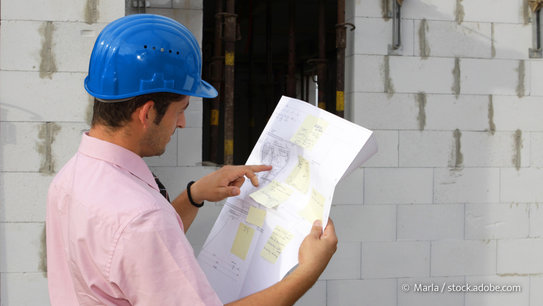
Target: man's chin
<point>155,153</point>
<point>161,152</point>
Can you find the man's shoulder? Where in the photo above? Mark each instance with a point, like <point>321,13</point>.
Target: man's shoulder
<point>98,184</point>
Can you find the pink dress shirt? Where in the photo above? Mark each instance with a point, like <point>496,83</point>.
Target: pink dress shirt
<point>113,239</point>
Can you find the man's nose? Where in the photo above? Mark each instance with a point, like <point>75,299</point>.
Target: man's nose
<point>181,121</point>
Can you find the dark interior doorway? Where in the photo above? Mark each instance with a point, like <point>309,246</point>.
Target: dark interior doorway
<point>262,65</point>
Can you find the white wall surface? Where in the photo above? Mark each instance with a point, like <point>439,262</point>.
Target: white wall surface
<point>452,197</point>
<point>44,50</point>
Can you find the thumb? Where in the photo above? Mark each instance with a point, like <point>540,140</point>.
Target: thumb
<point>233,191</point>
<point>316,230</point>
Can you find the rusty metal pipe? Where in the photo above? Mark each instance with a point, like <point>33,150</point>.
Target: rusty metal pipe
<point>340,58</point>
<point>291,75</point>
<point>229,60</point>
<point>269,57</point>
<point>321,65</point>
<point>216,80</point>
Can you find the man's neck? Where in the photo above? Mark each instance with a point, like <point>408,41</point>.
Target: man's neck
<point>121,137</point>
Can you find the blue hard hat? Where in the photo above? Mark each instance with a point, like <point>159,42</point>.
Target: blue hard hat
<point>143,53</point>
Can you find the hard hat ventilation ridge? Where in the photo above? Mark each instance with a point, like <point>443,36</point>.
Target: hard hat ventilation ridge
<point>161,49</point>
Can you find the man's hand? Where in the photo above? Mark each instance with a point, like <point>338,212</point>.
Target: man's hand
<point>224,182</point>
<point>315,253</point>
<point>317,249</point>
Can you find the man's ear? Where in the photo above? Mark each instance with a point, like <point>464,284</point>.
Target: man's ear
<point>145,113</point>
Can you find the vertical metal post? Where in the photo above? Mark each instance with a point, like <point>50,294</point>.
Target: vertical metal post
<point>216,79</point>
<point>536,51</point>
<point>229,60</point>
<point>307,78</point>
<point>321,64</point>
<point>269,57</point>
<point>137,5</point>
<point>396,25</point>
<point>302,86</point>
<point>538,25</point>
<point>249,48</point>
<point>340,58</point>
<point>291,76</point>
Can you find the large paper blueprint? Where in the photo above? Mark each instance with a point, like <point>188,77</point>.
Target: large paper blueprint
<point>256,237</point>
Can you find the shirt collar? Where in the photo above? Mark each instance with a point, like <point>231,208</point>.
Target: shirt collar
<point>117,155</point>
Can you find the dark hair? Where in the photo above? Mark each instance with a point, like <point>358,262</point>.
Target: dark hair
<point>116,114</point>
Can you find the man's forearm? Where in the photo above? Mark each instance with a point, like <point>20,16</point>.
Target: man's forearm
<point>186,211</point>
<point>315,252</point>
<point>286,292</point>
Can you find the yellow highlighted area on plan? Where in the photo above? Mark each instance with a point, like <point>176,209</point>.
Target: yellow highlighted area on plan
<point>279,238</point>
<point>242,242</point>
<point>256,216</point>
<point>300,177</point>
<point>272,194</point>
<point>309,132</point>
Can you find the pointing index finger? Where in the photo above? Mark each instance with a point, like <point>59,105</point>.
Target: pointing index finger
<point>258,168</point>
<point>252,169</point>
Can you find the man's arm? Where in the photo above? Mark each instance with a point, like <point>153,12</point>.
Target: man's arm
<point>186,211</point>
<point>214,187</point>
<point>315,253</point>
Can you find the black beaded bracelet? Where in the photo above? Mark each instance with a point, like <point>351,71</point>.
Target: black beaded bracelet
<point>190,197</point>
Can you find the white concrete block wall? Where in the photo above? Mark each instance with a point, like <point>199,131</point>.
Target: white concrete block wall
<point>361,292</point>
<point>468,185</point>
<point>536,295</point>
<point>369,73</point>
<point>430,298</point>
<point>316,296</point>
<point>372,36</point>
<point>462,154</point>
<point>398,185</point>
<point>63,10</point>
<point>397,259</point>
<point>414,75</point>
<point>520,256</point>
<point>18,205</point>
<point>463,257</point>
<point>509,40</point>
<point>506,11</point>
<point>536,221</point>
<point>346,262</point>
<point>499,299</point>
<point>452,197</point>
<point>23,98</point>
<point>536,77</point>
<point>44,51</point>
<point>498,221</point>
<point>16,288</point>
<point>511,112</point>
<point>371,222</point>
<point>425,148</point>
<point>430,222</point>
<point>24,253</point>
<point>429,9</point>
<point>493,76</point>
<point>450,39</point>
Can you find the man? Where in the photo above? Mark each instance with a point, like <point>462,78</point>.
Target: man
<point>113,237</point>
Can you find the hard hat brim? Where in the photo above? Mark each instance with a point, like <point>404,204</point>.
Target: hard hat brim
<point>205,90</point>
